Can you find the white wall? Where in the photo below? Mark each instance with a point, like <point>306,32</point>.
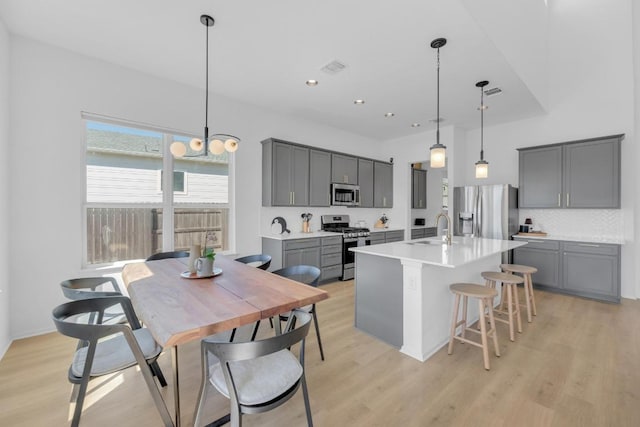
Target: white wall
<point>635,160</point>
<point>49,88</point>
<point>5,336</point>
<point>590,77</point>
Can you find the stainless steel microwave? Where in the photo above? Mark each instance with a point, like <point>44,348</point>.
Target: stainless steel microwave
<point>345,195</point>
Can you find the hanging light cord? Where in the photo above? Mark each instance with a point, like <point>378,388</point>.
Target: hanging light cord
<point>438,102</point>
<point>206,96</point>
<point>481,123</point>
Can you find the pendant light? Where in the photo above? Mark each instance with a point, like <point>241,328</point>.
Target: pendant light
<point>482,166</point>
<point>218,142</point>
<point>438,151</point>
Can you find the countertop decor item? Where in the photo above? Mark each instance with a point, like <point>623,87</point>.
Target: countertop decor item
<point>279,226</point>
<point>438,151</point>
<point>218,143</point>
<point>383,222</point>
<point>482,166</point>
<point>306,217</point>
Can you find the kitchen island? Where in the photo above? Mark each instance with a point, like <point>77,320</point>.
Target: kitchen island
<point>402,289</point>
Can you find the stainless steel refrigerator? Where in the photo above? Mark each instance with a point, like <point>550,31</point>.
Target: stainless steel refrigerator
<point>489,211</point>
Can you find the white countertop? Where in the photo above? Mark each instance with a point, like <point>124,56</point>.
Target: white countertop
<point>463,250</point>
<point>585,239</point>
<point>301,235</point>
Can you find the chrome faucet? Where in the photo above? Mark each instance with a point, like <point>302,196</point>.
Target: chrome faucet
<point>442,214</point>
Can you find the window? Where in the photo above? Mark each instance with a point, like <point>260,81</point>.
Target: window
<point>128,213</point>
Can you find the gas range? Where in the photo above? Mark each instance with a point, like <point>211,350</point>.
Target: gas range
<point>340,224</point>
<point>351,237</point>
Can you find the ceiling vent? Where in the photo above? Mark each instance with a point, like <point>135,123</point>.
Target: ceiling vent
<point>493,91</point>
<point>435,120</point>
<point>333,67</point>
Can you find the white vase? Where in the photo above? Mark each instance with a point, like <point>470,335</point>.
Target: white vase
<point>194,254</point>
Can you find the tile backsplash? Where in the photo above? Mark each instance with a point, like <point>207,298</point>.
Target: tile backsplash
<point>596,223</point>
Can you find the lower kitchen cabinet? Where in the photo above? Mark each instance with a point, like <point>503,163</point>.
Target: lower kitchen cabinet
<point>330,258</point>
<point>419,233</point>
<point>543,255</point>
<point>590,270</point>
<point>377,237</point>
<point>324,253</point>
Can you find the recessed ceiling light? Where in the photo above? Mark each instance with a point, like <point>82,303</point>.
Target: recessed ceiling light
<point>389,114</point>
<point>442,119</point>
<point>312,82</point>
<point>415,125</point>
<point>359,101</point>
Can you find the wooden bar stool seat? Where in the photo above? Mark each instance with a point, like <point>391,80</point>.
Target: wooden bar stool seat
<point>526,272</point>
<point>510,282</point>
<point>485,297</point>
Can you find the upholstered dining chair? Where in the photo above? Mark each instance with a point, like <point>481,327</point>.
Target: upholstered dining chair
<point>309,275</point>
<point>261,261</point>
<point>94,287</point>
<point>256,376</point>
<point>105,349</point>
<point>165,255</point>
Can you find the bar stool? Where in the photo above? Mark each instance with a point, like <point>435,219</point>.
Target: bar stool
<point>510,282</point>
<point>526,272</point>
<point>485,296</point>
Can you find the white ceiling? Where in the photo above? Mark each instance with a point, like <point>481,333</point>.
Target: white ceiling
<point>262,52</point>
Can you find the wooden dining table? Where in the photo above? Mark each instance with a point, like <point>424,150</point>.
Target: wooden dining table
<point>178,310</point>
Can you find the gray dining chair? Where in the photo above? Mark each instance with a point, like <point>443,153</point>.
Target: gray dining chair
<point>105,349</point>
<point>94,287</point>
<point>261,261</point>
<point>165,255</point>
<point>256,376</point>
<point>309,275</point>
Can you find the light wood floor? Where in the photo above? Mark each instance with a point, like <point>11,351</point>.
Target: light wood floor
<point>577,364</point>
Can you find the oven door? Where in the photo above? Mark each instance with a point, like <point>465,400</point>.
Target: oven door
<point>349,257</point>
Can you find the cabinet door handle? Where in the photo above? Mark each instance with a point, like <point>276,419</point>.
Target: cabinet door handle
<point>558,199</point>
<point>567,199</point>
<point>589,245</point>
<point>345,179</point>
<point>535,240</point>
<point>293,197</point>
<point>290,197</point>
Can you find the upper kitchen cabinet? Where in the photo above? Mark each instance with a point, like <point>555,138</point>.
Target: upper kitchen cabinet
<point>592,174</point>
<point>540,177</point>
<point>382,185</point>
<point>365,178</point>
<point>319,178</point>
<point>344,169</point>
<point>418,188</point>
<point>579,174</point>
<point>285,174</point>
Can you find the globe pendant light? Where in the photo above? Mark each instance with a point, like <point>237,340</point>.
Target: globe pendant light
<point>203,146</point>
<point>482,166</point>
<point>438,151</point>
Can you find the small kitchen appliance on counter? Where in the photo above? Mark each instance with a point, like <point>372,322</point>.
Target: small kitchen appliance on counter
<point>351,237</point>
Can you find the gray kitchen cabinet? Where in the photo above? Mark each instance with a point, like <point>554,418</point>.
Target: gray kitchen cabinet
<point>591,270</point>
<point>418,188</point>
<point>394,236</point>
<point>382,185</point>
<point>540,177</point>
<point>285,174</point>
<point>330,258</point>
<point>577,174</point>
<point>543,255</point>
<point>344,169</point>
<point>592,174</point>
<point>365,181</point>
<point>324,253</point>
<point>319,178</point>
<point>377,237</point>
<point>417,233</point>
